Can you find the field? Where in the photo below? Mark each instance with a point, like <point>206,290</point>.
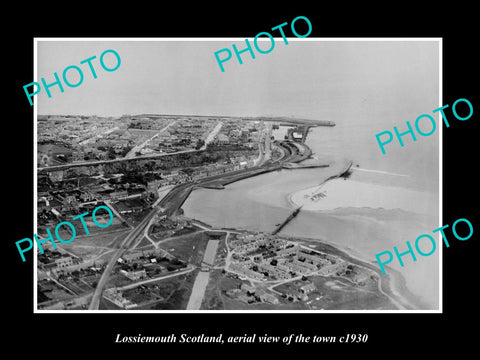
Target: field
<point>175,291</point>
<point>49,290</point>
<point>216,299</point>
<point>339,294</point>
<point>93,246</point>
<point>189,248</point>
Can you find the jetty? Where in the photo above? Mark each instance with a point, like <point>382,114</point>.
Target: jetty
<point>287,220</point>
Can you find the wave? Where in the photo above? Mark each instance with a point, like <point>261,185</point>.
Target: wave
<point>378,171</point>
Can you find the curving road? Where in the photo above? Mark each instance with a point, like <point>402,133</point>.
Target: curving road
<point>125,244</point>
<point>170,203</point>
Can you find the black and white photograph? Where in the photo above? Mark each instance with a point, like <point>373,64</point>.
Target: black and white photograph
<point>261,187</point>
<point>228,181</point>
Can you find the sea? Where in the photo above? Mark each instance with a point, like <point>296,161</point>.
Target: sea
<point>386,200</point>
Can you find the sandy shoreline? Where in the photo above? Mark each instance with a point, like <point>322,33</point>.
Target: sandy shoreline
<point>340,193</point>
<point>354,208</point>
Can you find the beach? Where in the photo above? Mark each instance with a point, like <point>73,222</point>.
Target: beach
<point>349,193</point>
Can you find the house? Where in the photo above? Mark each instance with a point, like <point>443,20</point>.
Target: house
<point>64,261</point>
<point>267,298</point>
<point>248,289</point>
<point>56,176</point>
<point>43,204</point>
<point>307,288</point>
<point>222,139</point>
<point>87,196</point>
<point>244,270</point>
<point>134,274</point>
<point>119,194</point>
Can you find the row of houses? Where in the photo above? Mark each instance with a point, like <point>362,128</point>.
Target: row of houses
<point>278,271</point>
<point>180,177</point>
<point>134,275</point>
<point>243,269</point>
<point>299,267</point>
<point>56,260</point>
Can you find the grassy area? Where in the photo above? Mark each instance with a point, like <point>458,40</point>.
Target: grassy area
<point>49,290</point>
<point>144,243</point>
<point>88,247</point>
<point>177,291</point>
<point>216,299</point>
<point>118,280</point>
<point>106,239</point>
<point>107,305</point>
<point>189,248</point>
<point>338,294</point>
<point>212,299</point>
<point>137,217</point>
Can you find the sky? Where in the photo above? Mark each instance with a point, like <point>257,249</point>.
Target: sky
<point>306,78</point>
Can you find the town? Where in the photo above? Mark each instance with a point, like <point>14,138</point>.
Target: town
<point>153,257</point>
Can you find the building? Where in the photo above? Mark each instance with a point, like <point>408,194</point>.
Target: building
<point>305,264</point>
<point>297,135</point>
<point>56,176</point>
<point>243,269</point>
<point>266,297</point>
<point>119,195</point>
<point>137,255</point>
<point>134,275</point>
<point>307,288</point>
<point>278,272</point>
<point>222,139</point>
<point>295,267</point>
<point>87,196</point>
<point>64,261</point>
<point>124,207</point>
<point>116,297</point>
<point>288,251</point>
<point>43,204</point>
<point>247,288</point>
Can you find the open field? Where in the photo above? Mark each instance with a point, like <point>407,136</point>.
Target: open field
<point>176,292</point>
<point>49,290</point>
<point>216,299</point>
<point>189,248</point>
<point>339,294</point>
<point>93,246</point>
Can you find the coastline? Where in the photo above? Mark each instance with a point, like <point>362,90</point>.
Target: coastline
<point>397,213</point>
<point>393,283</point>
<point>335,193</point>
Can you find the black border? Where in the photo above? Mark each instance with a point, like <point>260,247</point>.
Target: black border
<point>388,333</point>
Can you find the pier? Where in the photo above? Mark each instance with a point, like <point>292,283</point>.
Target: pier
<point>302,166</point>
<point>287,220</point>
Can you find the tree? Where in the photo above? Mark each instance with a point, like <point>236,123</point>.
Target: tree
<point>199,144</point>
<point>111,153</point>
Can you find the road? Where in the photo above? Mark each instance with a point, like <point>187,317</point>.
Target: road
<point>125,244</point>
<point>171,203</point>
<point>102,162</point>
<point>131,153</point>
<point>111,207</point>
<point>210,137</point>
<point>188,269</point>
